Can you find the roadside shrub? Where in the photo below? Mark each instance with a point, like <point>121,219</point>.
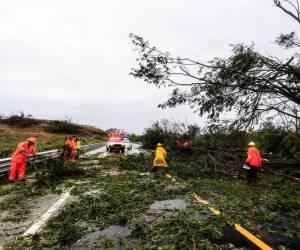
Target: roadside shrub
<point>223,137</point>
<point>20,121</point>
<point>290,147</point>
<point>63,127</point>
<point>269,138</point>
<point>276,140</point>
<point>168,133</point>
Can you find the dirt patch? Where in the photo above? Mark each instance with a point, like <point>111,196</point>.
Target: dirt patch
<point>27,132</point>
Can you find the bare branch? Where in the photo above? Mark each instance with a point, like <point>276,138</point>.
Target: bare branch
<point>296,15</point>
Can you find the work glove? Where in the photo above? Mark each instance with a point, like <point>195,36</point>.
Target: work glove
<point>246,166</point>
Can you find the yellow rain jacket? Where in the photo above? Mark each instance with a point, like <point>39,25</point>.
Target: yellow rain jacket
<point>160,157</point>
<point>77,145</point>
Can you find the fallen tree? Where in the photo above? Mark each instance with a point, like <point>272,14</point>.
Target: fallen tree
<point>252,86</point>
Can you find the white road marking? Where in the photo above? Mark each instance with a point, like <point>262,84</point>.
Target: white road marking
<point>48,214</point>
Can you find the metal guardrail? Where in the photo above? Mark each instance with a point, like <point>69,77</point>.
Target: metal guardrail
<point>5,163</point>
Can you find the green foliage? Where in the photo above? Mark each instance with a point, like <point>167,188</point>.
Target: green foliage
<point>288,40</point>
<point>264,208</point>
<point>156,134</point>
<point>269,209</point>
<point>168,133</point>
<point>276,140</point>
<point>269,138</point>
<point>223,137</point>
<point>290,147</point>
<point>65,237</point>
<point>53,170</point>
<point>213,136</point>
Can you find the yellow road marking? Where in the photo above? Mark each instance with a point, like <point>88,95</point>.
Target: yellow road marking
<point>237,227</point>
<point>199,199</point>
<point>173,179</point>
<point>252,238</point>
<point>215,211</point>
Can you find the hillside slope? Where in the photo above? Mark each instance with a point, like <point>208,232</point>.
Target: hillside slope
<point>50,133</point>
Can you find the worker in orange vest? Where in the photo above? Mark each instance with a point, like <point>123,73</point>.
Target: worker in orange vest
<point>253,161</point>
<point>18,160</point>
<point>71,148</point>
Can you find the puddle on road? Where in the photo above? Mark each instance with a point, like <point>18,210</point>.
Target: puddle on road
<point>168,205</point>
<point>94,239</point>
<point>93,192</point>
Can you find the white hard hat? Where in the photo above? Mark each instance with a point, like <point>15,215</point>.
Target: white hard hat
<point>251,143</point>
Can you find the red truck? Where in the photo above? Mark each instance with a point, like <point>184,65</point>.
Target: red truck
<point>114,143</point>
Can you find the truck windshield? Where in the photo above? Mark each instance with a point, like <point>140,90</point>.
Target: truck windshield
<point>115,140</point>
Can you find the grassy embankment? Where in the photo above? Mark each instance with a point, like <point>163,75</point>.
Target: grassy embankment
<point>50,134</point>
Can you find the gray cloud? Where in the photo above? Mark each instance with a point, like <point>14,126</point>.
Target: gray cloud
<point>72,58</point>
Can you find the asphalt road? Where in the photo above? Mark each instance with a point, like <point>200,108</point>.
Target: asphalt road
<point>136,149</point>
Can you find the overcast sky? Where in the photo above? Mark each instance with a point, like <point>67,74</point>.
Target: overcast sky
<point>72,58</point>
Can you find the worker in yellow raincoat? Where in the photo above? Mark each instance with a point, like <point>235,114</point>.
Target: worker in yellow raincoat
<point>77,147</point>
<point>160,158</point>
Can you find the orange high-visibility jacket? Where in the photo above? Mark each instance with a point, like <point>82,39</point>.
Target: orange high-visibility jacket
<point>253,158</point>
<point>70,143</point>
<point>23,150</point>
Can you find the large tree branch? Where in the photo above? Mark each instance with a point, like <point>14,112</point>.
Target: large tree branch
<point>250,84</point>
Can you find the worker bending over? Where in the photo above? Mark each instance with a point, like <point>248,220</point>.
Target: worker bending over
<point>253,161</point>
<point>160,158</point>
<point>18,160</point>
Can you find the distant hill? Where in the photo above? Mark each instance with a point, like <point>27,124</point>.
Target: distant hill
<point>21,125</point>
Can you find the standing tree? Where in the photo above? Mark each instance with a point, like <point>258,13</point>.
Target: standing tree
<point>251,86</point>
